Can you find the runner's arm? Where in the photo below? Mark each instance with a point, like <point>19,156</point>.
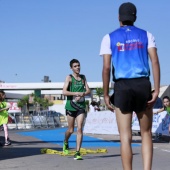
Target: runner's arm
<point>156,74</point>
<point>6,108</point>
<point>106,79</point>
<point>159,111</point>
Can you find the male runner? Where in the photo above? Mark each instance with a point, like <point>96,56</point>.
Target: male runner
<point>75,88</point>
<point>128,48</point>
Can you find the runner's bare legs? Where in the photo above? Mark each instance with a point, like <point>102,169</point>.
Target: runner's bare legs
<point>124,126</point>
<point>145,121</point>
<point>80,121</point>
<point>70,130</point>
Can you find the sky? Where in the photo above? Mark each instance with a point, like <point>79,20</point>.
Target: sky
<point>39,37</point>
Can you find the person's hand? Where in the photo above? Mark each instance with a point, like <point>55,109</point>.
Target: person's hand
<point>108,104</point>
<point>81,94</point>
<point>151,102</point>
<point>77,98</point>
<point>155,113</point>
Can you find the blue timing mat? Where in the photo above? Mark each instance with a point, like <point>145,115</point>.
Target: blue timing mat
<point>56,136</point>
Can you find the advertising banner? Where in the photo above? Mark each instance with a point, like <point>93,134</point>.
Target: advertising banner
<point>104,122</point>
<point>13,107</point>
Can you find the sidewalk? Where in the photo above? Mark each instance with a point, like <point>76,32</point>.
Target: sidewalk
<point>24,153</point>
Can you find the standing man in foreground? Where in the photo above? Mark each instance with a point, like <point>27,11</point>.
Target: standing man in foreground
<point>75,88</point>
<point>128,48</point>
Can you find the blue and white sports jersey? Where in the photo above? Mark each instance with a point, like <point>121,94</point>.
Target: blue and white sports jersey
<point>129,50</point>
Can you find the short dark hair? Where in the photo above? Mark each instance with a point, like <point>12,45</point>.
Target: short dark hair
<point>2,92</point>
<point>166,97</point>
<point>73,61</point>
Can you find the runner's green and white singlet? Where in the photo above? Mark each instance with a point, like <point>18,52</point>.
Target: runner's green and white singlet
<point>75,86</point>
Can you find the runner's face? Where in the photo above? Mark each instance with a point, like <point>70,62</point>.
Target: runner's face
<point>76,67</point>
<point>166,102</point>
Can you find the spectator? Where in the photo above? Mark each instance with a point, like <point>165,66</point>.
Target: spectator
<point>166,107</point>
<point>94,107</point>
<point>4,117</point>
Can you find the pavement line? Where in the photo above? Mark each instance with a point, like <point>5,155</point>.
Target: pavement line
<point>165,150</point>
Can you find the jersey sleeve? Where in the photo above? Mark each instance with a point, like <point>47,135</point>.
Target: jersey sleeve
<point>151,40</point>
<point>105,45</point>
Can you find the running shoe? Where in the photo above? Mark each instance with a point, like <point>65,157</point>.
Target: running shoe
<point>77,156</point>
<point>65,148</point>
<point>7,143</point>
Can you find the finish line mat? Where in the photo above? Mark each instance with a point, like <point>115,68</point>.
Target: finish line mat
<point>83,151</point>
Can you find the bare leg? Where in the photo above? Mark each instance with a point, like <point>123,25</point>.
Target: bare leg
<point>145,121</point>
<point>124,126</point>
<point>80,120</point>
<point>6,132</point>
<point>70,129</point>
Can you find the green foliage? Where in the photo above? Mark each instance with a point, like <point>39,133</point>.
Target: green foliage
<point>20,103</point>
<point>36,101</point>
<point>23,101</point>
<point>87,102</point>
<point>45,103</point>
<point>99,92</point>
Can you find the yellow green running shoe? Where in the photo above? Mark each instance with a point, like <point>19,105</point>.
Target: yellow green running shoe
<point>77,156</point>
<point>65,148</point>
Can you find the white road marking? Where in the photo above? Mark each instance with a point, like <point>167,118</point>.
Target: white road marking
<point>165,150</point>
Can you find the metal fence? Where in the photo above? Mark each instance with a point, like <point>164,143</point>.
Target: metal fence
<point>42,119</point>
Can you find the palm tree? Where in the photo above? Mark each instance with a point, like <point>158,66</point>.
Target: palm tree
<point>45,103</point>
<point>24,102</point>
<point>99,92</point>
<point>37,102</point>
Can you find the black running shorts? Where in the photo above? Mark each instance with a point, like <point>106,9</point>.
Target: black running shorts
<point>75,113</point>
<point>131,94</point>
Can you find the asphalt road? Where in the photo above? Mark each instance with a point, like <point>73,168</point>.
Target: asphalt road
<point>24,153</point>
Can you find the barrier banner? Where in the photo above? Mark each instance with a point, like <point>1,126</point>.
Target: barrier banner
<point>160,122</point>
<point>103,122</point>
<point>13,107</point>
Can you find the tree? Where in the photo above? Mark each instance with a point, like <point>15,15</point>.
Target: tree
<point>24,102</point>
<point>37,102</point>
<point>45,103</point>
<point>99,92</point>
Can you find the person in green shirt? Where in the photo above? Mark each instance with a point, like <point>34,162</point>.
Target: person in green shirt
<point>75,88</point>
<point>4,117</point>
<point>166,107</point>
<point>166,103</point>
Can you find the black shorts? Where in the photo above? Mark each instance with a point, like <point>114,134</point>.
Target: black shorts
<point>75,113</point>
<point>132,94</point>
